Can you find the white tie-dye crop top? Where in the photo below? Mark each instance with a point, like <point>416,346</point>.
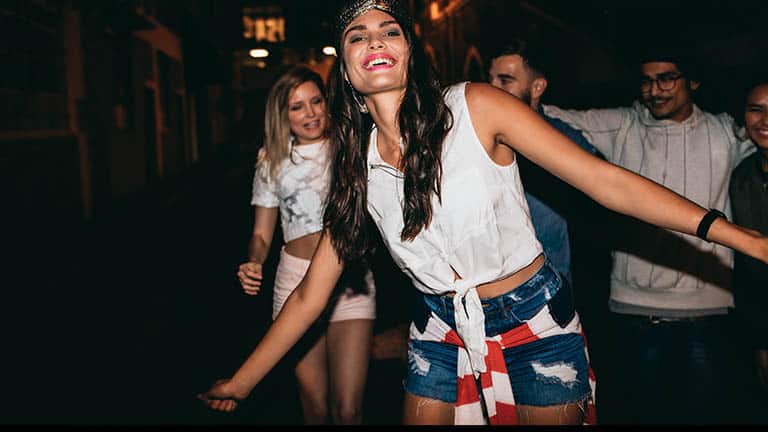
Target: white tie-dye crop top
<point>299,190</point>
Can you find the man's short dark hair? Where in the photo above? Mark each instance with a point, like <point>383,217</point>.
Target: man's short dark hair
<point>531,50</point>
<point>669,53</point>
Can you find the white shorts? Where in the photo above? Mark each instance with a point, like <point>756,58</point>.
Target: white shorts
<point>290,272</point>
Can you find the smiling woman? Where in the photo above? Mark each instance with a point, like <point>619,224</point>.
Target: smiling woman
<point>749,195</point>
<point>435,170</point>
<point>291,181</point>
<point>756,119</point>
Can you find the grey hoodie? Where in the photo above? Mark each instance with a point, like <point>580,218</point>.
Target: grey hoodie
<point>654,268</point>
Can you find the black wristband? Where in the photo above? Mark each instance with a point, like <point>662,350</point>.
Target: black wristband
<point>706,222</point>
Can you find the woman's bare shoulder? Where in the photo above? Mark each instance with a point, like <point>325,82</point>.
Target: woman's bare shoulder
<point>482,97</point>
<point>479,90</point>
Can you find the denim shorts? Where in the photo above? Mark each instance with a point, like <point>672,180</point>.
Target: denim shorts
<point>535,368</point>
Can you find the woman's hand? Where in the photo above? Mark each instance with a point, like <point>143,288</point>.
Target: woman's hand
<point>302,308</point>
<point>222,396</point>
<point>762,245</point>
<point>249,274</point>
<point>748,241</point>
<point>762,251</point>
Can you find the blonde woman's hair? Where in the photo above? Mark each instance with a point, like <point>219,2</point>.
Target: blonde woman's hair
<point>277,130</point>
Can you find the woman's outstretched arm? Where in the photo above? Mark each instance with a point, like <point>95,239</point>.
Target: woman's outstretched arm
<point>504,124</point>
<point>301,309</point>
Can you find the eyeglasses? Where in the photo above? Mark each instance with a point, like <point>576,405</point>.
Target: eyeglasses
<point>664,82</point>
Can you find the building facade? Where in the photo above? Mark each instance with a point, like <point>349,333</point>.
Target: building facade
<point>99,103</point>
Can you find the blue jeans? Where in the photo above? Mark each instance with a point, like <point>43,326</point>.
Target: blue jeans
<point>676,371</point>
<point>535,368</point>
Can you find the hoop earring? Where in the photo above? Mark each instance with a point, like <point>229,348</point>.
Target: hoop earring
<point>361,106</point>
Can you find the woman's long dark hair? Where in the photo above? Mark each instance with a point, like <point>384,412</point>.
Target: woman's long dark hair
<point>424,120</point>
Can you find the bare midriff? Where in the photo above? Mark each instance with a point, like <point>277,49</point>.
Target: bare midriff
<point>509,283</point>
<point>303,247</point>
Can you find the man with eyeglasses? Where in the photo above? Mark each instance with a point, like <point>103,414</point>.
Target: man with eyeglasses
<point>671,294</point>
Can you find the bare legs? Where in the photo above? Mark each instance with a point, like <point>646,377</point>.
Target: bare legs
<point>312,376</point>
<point>349,351</point>
<point>419,410</point>
<point>339,361</point>
<point>423,411</point>
<point>569,414</point>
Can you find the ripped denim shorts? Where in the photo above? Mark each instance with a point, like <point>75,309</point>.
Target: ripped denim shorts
<point>550,371</point>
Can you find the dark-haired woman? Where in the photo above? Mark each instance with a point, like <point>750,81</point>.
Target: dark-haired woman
<point>497,339</point>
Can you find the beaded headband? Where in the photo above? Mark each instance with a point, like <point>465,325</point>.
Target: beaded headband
<point>354,8</point>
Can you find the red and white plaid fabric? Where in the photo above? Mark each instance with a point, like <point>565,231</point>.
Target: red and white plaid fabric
<point>497,389</point>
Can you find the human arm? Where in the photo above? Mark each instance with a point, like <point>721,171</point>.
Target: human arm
<point>612,186</point>
<point>301,309</point>
<point>599,127</point>
<point>250,273</point>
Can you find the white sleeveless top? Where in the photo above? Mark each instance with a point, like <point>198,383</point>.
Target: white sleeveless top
<point>482,229</point>
<point>299,190</point>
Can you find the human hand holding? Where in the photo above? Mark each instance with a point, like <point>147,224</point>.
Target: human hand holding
<point>222,396</point>
<point>249,274</point>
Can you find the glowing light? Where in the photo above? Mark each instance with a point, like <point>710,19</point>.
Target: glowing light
<point>264,29</point>
<point>329,50</point>
<point>434,11</point>
<point>258,53</point>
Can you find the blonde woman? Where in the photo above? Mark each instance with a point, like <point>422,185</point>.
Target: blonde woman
<point>291,182</point>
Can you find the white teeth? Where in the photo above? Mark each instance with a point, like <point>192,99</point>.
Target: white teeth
<point>379,61</point>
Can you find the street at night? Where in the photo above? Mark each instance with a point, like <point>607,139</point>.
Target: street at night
<point>128,142</point>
